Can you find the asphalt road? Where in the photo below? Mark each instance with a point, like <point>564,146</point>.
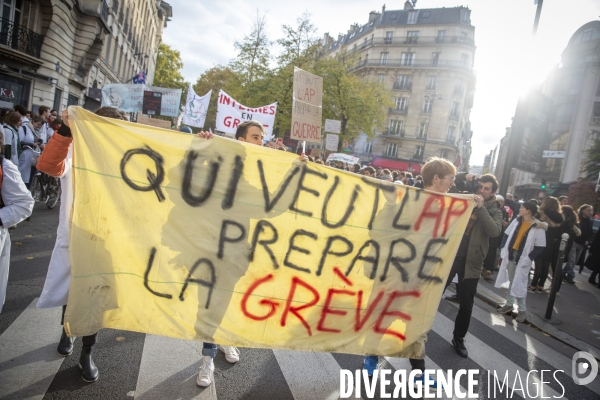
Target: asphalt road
<point>136,365</point>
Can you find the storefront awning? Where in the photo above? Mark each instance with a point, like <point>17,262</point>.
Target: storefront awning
<point>402,166</point>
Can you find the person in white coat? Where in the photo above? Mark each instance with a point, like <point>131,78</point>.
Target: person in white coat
<point>523,241</point>
<point>16,205</point>
<point>56,160</point>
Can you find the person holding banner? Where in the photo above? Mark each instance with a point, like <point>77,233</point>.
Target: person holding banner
<point>252,132</point>
<point>56,160</point>
<point>438,176</point>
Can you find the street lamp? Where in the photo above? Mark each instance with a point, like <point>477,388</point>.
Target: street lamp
<point>432,97</point>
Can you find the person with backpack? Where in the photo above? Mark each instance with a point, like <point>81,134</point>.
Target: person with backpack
<point>16,205</point>
<point>29,150</point>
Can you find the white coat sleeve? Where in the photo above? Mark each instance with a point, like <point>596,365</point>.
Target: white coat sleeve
<point>540,238</point>
<point>18,203</point>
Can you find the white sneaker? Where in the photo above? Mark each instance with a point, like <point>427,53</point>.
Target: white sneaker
<point>232,354</point>
<point>206,374</point>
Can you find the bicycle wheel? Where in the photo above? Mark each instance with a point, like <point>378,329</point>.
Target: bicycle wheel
<point>53,193</point>
<point>36,187</point>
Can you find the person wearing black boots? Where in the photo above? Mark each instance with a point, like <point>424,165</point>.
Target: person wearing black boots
<point>550,213</point>
<point>56,160</point>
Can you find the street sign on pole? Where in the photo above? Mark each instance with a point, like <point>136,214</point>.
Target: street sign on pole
<point>331,142</point>
<point>333,126</point>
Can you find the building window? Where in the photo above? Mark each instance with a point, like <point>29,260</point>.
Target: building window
<point>455,110</point>
<point>432,83</point>
<point>464,60</point>
<point>384,57</point>
<point>441,35</point>
<point>369,147</point>
<point>435,58</point>
<point>412,17</point>
<point>407,59</point>
<point>444,153</point>
<point>458,86</point>
<point>419,151</point>
<point>72,100</point>
<point>391,149</point>
<point>381,78</point>
<point>450,134</point>
<point>114,57</point>
<point>107,53</point>
<point>388,37</point>
<point>57,99</point>
<point>427,103</point>
<point>395,127</point>
<point>463,37</point>
<point>422,132</point>
<point>412,37</point>
<point>401,103</point>
<point>404,81</point>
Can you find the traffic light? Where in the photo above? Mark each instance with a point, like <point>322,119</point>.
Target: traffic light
<point>543,185</point>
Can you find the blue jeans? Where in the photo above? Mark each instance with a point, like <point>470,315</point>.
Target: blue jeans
<point>510,299</point>
<point>209,349</point>
<point>572,258</point>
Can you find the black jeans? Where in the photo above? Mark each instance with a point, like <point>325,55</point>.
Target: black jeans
<point>88,341</point>
<point>541,272</point>
<point>466,296</point>
<point>416,363</point>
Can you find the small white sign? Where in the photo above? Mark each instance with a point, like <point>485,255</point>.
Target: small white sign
<point>333,126</point>
<point>331,142</point>
<point>553,154</point>
<point>348,159</point>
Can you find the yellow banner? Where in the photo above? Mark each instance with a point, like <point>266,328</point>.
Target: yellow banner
<point>221,241</point>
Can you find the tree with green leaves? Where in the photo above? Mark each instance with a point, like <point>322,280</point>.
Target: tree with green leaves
<point>252,61</point>
<point>591,165</point>
<point>168,70</point>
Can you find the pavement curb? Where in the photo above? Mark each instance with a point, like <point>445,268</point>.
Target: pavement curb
<point>542,324</point>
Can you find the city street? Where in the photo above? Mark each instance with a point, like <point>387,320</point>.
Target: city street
<point>136,365</point>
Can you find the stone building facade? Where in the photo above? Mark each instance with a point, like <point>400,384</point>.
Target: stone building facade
<point>425,58</point>
<point>53,51</point>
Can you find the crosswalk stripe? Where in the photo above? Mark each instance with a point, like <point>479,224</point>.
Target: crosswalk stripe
<point>168,370</point>
<point>310,375</point>
<point>487,357</point>
<point>28,357</point>
<point>558,361</point>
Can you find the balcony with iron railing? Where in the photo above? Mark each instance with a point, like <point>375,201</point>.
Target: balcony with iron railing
<point>414,40</point>
<point>121,16</point>
<point>104,11</point>
<point>393,133</point>
<point>19,38</point>
<point>403,86</point>
<point>400,63</point>
<point>398,110</point>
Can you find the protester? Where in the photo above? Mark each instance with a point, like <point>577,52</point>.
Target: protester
<point>585,214</point>
<point>44,130</point>
<point>491,258</point>
<point>29,149</point>
<point>550,213</point>
<point>524,240</point>
<point>593,261</point>
<point>56,160</point>
<point>252,132</point>
<point>485,222</point>
<point>185,129</point>
<point>385,175</point>
<point>438,176</point>
<point>563,200</point>
<point>368,171</point>
<point>356,168</point>
<point>378,171</point>
<point>570,226</point>
<point>16,205</point>
<point>12,144</point>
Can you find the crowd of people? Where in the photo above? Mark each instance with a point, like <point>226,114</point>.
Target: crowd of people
<point>503,234</point>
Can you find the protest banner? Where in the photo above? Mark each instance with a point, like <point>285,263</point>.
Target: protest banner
<point>306,108</point>
<point>196,108</point>
<point>230,114</point>
<point>228,242</point>
<point>348,159</point>
<point>331,142</point>
<point>130,98</point>
<point>151,104</point>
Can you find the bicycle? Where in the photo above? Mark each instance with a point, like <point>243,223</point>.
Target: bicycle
<point>45,188</point>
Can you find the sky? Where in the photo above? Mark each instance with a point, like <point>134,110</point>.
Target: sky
<point>507,59</point>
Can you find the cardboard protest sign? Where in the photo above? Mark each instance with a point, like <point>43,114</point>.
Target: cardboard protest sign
<point>332,142</point>
<point>130,98</point>
<point>227,242</point>
<point>347,158</point>
<point>230,114</point>
<point>306,109</point>
<point>196,108</point>
<point>333,126</point>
